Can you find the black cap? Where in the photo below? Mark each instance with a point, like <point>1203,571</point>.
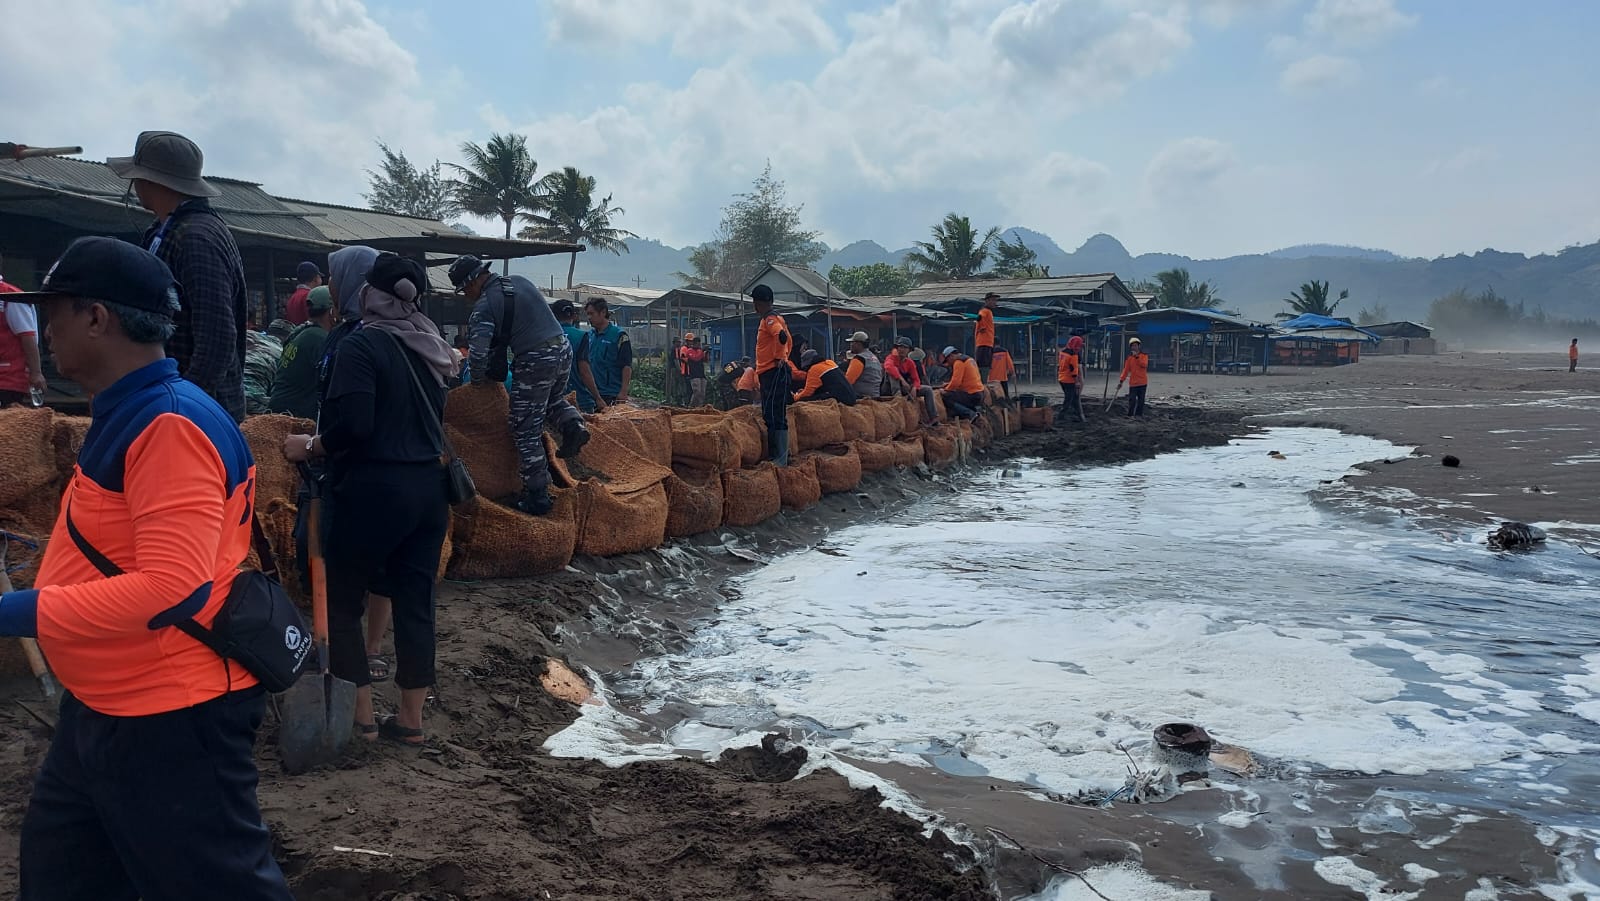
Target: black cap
<point>761,294</point>
<point>109,271</point>
<point>306,271</point>
<point>465,269</point>
<point>563,307</point>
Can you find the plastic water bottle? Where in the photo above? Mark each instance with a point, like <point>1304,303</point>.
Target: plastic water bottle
<point>37,395</point>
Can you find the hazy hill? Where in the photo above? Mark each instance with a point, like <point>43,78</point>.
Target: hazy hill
<point>1566,284</point>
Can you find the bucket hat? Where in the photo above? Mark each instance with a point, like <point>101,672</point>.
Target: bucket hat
<point>166,158</point>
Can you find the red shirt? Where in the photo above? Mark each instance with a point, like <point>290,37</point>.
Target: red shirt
<point>16,320</point>
<point>904,367</point>
<point>298,309</point>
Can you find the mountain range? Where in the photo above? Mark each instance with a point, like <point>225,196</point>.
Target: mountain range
<point>1565,284</point>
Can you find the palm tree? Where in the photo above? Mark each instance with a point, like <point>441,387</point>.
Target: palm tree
<point>956,251</point>
<point>497,181</point>
<point>1312,298</point>
<point>1173,288</point>
<point>569,213</point>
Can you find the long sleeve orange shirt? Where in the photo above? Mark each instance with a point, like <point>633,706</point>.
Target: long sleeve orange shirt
<point>813,378</point>
<point>964,377</point>
<point>1136,370</point>
<point>1002,369</point>
<point>983,332</point>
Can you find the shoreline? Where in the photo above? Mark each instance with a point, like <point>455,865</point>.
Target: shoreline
<point>484,812</point>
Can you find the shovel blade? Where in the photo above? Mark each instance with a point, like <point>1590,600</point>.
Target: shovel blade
<point>317,714</point>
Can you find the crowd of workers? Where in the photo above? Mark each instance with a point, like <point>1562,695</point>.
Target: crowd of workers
<point>159,336</point>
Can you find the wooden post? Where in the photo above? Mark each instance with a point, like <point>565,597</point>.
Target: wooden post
<point>269,298</point>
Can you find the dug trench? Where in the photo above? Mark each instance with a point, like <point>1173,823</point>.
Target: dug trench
<point>482,812</point>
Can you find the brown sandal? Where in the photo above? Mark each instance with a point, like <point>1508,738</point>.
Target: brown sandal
<point>389,728</point>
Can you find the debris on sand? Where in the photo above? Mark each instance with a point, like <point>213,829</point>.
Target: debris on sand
<point>1451,460</point>
<point>1516,536</point>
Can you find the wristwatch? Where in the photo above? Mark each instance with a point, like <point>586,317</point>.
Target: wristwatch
<point>311,444</point>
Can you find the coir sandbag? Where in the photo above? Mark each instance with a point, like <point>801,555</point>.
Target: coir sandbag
<point>276,477</point>
<point>838,470</point>
<point>612,521</point>
<point>477,424</point>
<point>939,446</point>
<point>495,542</point>
<point>876,456</point>
<point>858,423</point>
<point>750,496</point>
<point>694,501</point>
<point>908,454</point>
<point>797,483</point>
<point>707,440</point>
<point>815,423</point>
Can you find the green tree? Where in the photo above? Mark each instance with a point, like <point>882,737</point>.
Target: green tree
<point>498,181</point>
<point>400,187</point>
<point>1175,288</point>
<point>875,280</point>
<point>569,212</point>
<point>1375,316</point>
<point>758,228</point>
<point>1017,261</point>
<point>956,252</point>
<point>1312,298</point>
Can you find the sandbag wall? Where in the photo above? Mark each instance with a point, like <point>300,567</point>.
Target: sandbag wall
<point>645,475</point>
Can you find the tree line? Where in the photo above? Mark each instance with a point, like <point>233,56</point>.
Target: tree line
<point>499,180</point>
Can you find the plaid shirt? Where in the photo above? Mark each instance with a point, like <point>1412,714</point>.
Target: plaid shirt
<point>209,343</point>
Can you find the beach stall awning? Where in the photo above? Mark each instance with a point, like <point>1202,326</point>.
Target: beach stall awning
<point>1179,321</point>
<point>1346,333</point>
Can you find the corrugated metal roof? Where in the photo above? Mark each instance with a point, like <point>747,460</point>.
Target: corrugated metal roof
<point>241,204</point>
<point>346,224</point>
<point>1017,288</point>
<point>810,281</point>
<point>643,295</point>
<point>1179,313</point>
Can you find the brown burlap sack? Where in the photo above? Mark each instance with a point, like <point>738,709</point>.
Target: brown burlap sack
<point>816,423</point>
<point>749,433</point>
<point>610,456</point>
<point>907,454</point>
<point>750,496</point>
<point>654,428</point>
<point>708,440</point>
<point>939,407</point>
<point>886,419</point>
<point>964,433</point>
<point>838,470</point>
<point>495,542</point>
<point>613,521</point>
<point>858,423</point>
<point>67,436</point>
<point>277,518</point>
<point>1037,419</point>
<point>694,500</point>
<point>939,446</point>
<point>30,486</point>
<point>1013,420</point>
<point>910,414</point>
<point>479,428</point>
<point>25,560</point>
<point>276,478</point>
<point>797,483</point>
<point>876,456</point>
<point>982,433</point>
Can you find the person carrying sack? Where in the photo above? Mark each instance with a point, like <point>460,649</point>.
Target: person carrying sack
<point>149,787</point>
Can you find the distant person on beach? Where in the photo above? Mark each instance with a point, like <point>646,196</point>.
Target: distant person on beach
<point>692,366</point>
<point>1136,372</point>
<point>963,396</point>
<point>983,336</point>
<point>21,370</point>
<point>1069,374</point>
<point>865,372</point>
<point>824,380</point>
<point>1572,356</point>
<point>1003,370</point>
<point>306,277</point>
<point>773,374</point>
<point>510,315</point>
<point>197,246</point>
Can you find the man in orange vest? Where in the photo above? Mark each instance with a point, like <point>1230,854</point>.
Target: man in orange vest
<point>1069,374</point>
<point>774,374</point>
<point>983,336</point>
<point>1136,372</point>
<point>964,393</point>
<point>1003,369</point>
<point>692,366</point>
<point>149,788</point>
<point>1572,356</point>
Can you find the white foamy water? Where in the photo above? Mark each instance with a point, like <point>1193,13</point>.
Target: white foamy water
<point>1041,620</point>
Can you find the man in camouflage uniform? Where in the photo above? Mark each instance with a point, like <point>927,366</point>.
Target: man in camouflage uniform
<point>512,325</point>
<point>261,354</point>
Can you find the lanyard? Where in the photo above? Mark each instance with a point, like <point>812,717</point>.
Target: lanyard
<point>155,242</point>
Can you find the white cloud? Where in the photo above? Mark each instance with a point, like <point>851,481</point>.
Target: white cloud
<point>1317,72</point>
<point>1357,23</point>
<point>1223,12</point>
<point>1187,166</point>
<point>695,28</point>
<point>1463,160</point>
<point>1090,52</point>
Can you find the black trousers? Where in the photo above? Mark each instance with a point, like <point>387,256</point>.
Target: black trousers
<point>159,808</point>
<point>1070,401</point>
<point>1136,400</point>
<point>958,403</point>
<point>775,394</point>
<point>388,518</point>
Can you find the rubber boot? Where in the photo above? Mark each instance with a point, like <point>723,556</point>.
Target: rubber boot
<point>780,447</point>
<point>536,502</point>
<point>573,438</point>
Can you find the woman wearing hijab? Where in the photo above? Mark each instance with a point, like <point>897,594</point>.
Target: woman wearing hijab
<point>382,420</point>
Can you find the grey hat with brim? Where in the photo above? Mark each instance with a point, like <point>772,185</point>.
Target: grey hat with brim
<point>168,159</point>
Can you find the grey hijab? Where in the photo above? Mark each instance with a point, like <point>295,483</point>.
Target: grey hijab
<point>347,271</point>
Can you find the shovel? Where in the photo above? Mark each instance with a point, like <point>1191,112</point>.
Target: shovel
<point>30,647</point>
<point>316,714</point>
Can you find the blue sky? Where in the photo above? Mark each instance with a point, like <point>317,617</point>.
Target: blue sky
<point>1203,127</point>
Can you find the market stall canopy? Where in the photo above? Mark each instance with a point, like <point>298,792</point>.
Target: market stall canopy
<point>1181,321</point>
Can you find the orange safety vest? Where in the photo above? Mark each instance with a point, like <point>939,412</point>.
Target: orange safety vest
<point>1135,370</point>
<point>772,341</point>
<point>983,333</point>
<point>1067,370</point>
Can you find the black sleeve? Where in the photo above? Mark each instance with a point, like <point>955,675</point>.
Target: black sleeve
<point>583,348</point>
<point>624,351</point>
<point>350,408</point>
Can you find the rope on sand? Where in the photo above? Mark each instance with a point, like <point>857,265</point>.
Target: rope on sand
<point>1049,863</point>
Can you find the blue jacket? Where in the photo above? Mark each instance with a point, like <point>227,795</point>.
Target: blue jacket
<point>575,337</point>
<point>609,351</point>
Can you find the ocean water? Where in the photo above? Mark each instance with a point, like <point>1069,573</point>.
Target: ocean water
<point>1038,623</point>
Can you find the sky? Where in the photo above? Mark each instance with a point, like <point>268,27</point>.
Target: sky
<point>1202,127</point>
